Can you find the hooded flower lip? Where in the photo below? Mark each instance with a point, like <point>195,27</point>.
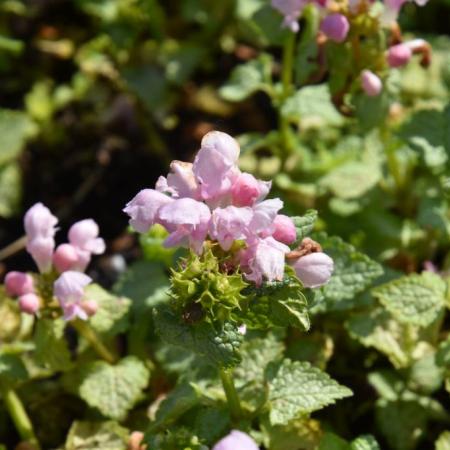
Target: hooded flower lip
<point>144,207</point>
<point>69,290</point>
<point>236,440</point>
<point>83,235</point>
<point>180,182</point>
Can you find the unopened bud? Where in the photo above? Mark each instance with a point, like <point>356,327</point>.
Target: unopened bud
<point>29,303</point>
<point>399,55</point>
<point>371,83</point>
<point>335,27</point>
<point>18,283</point>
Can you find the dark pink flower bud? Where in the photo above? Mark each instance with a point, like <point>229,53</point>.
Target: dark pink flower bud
<point>18,283</point>
<point>90,307</point>
<point>29,303</point>
<point>285,231</point>
<point>335,27</point>
<point>371,83</point>
<point>399,55</point>
<point>246,190</point>
<point>65,258</point>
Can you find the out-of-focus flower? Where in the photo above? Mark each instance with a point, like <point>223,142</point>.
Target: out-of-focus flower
<point>236,440</point>
<point>314,269</point>
<point>65,258</point>
<point>180,182</point>
<point>69,290</point>
<point>399,55</point>
<point>371,83</point>
<point>143,208</point>
<point>187,221</point>
<point>83,235</point>
<point>29,303</point>
<point>392,9</point>
<point>40,228</point>
<point>90,307</point>
<point>335,27</point>
<point>291,10</point>
<point>18,283</point>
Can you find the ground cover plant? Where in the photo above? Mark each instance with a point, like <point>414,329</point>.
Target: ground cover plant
<point>225,225</point>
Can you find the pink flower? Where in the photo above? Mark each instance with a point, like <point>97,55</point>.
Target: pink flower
<point>214,162</point>
<point>236,440</point>
<point>83,235</point>
<point>264,214</point>
<point>69,290</point>
<point>264,259</point>
<point>180,182</point>
<point>230,224</point>
<point>66,258</point>
<point>144,207</point>
<point>90,307</point>
<point>314,269</point>
<point>291,10</point>
<point>29,303</point>
<point>399,55</point>
<point>371,83</point>
<point>336,27</point>
<point>187,220</point>
<point>18,283</point>
<point>246,190</point>
<point>285,230</point>
<point>40,229</point>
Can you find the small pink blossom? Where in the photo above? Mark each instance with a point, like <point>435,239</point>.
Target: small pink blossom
<point>83,235</point>
<point>246,190</point>
<point>335,27</point>
<point>291,10</point>
<point>187,221</point>
<point>314,270</point>
<point>29,303</point>
<point>399,55</point>
<point>40,228</point>
<point>264,214</point>
<point>69,290</point>
<point>371,83</point>
<point>236,440</point>
<point>217,156</point>
<point>180,182</point>
<point>144,207</point>
<point>65,258</point>
<point>284,229</point>
<point>18,283</point>
<point>230,224</point>
<point>264,259</point>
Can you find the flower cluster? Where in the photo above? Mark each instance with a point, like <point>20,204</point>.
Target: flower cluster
<point>68,260</point>
<point>212,199</point>
<point>336,25</point>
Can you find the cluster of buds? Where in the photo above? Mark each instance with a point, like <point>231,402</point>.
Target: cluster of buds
<point>340,22</point>
<point>213,200</point>
<point>68,260</point>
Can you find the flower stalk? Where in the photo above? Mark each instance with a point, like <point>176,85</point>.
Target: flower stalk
<point>231,394</point>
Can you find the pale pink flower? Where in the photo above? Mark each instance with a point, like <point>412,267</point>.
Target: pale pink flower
<point>187,221</point>
<point>247,190</point>
<point>144,207</point>
<point>284,229</point>
<point>291,10</point>
<point>66,258</point>
<point>335,27</point>
<point>314,270</point>
<point>236,440</point>
<point>18,283</point>
<point>29,303</point>
<point>40,228</point>
<point>264,214</point>
<point>371,83</point>
<point>230,224</point>
<point>399,55</point>
<point>218,155</point>
<point>83,235</point>
<point>69,290</point>
<point>180,182</point>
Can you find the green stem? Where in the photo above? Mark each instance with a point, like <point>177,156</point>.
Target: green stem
<point>231,394</point>
<point>91,336</point>
<point>20,417</point>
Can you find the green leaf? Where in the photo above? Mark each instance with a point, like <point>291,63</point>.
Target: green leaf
<point>113,390</point>
<point>304,224</point>
<point>51,347</point>
<point>297,388</point>
<point>353,273</point>
<point>12,370</point>
<point>218,344</point>
<point>153,248</point>
<point>365,442</point>
<point>9,318</point>
<point>10,189</point>
<point>443,442</point>
<point>413,299</point>
<point>331,441</point>
<point>177,438</point>
<point>248,78</point>
<point>211,423</point>
<point>97,436</point>
<point>112,315</point>
<point>312,105</point>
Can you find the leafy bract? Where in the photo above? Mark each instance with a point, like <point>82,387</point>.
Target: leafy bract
<point>297,388</point>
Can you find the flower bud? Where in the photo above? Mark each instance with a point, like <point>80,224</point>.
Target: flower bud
<point>314,270</point>
<point>399,55</point>
<point>39,222</point>
<point>335,27</point>
<point>246,190</point>
<point>84,236</point>
<point>29,303</point>
<point>18,283</point>
<point>242,329</point>
<point>236,440</point>
<point>285,230</point>
<point>65,258</point>
<point>90,307</point>
<point>371,83</point>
